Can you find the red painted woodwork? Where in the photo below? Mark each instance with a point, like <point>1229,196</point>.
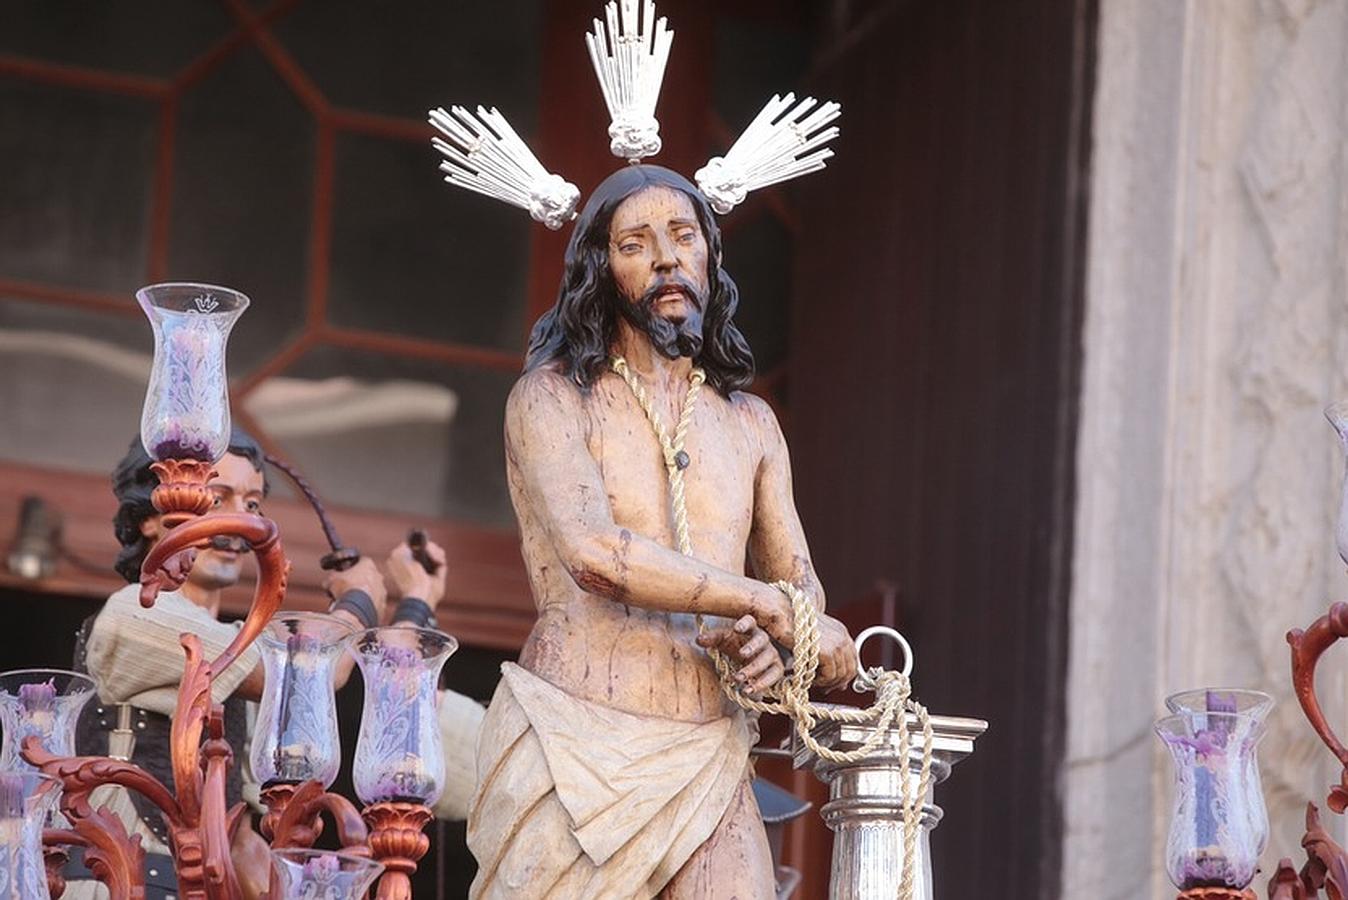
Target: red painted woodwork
<point>487,603</point>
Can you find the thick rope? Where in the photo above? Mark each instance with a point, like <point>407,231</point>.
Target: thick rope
<point>791,696</point>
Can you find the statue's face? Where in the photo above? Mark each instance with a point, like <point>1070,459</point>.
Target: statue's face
<point>658,257</point>
<point>238,488</point>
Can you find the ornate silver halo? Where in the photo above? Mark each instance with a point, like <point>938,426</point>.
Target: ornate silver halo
<point>629,50</point>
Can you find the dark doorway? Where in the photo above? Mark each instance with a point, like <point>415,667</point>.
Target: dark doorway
<point>933,386</point>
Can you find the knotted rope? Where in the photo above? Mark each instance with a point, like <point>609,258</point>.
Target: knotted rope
<point>791,696</point>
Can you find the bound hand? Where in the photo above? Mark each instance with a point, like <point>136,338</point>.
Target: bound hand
<point>837,654</point>
<point>772,613</point>
<point>749,648</point>
<point>363,576</point>
<point>410,578</point>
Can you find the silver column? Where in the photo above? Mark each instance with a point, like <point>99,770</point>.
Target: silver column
<point>865,808</point>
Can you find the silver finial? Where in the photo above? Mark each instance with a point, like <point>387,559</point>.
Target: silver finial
<point>484,154</point>
<point>629,60</point>
<point>782,142</point>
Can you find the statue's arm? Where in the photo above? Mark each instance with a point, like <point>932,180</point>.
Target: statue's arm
<point>561,484</point>
<point>777,547</point>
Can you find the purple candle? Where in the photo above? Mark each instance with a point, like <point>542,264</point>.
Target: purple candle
<point>38,697</point>
<point>322,868</point>
<point>1209,867</point>
<point>176,442</point>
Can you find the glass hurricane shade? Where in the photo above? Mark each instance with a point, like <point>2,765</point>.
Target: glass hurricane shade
<point>399,753</point>
<point>321,875</point>
<point>1219,824</point>
<point>27,800</point>
<point>186,413</point>
<point>296,737</point>
<point>1337,414</point>
<point>45,703</point>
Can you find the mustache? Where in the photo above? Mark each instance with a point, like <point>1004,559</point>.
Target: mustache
<point>226,542</point>
<point>662,284</point>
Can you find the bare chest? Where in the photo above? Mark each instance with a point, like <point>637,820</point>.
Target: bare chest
<point>723,457</point>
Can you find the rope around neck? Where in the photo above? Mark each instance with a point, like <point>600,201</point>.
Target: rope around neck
<point>791,696</point>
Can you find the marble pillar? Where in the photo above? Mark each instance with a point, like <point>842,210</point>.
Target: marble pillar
<point>1216,330</point>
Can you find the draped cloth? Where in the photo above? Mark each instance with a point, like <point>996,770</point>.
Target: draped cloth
<point>576,800</point>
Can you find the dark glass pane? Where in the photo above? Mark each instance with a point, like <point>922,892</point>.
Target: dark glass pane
<point>414,256</point>
<point>74,199</point>
<point>754,60</point>
<point>758,252</point>
<point>383,432</point>
<point>145,37</point>
<point>71,384</point>
<point>401,59</point>
<point>243,189</point>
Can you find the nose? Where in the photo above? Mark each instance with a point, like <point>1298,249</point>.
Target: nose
<point>664,258</point>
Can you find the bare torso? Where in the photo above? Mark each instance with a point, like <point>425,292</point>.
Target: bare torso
<point>600,649</point>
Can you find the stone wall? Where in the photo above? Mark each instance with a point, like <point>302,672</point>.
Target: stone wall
<point>1215,333</point>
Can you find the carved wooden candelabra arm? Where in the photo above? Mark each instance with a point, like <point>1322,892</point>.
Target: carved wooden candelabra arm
<point>1326,867</point>
<point>200,826</point>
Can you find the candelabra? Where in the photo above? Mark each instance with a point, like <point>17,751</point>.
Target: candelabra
<point>185,428</point>
<point>1326,867</point>
<point>1219,825</point>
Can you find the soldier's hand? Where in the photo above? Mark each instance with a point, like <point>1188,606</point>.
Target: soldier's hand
<point>837,654</point>
<point>363,576</point>
<point>411,579</point>
<point>750,651</point>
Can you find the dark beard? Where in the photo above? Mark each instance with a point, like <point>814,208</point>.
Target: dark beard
<point>670,339</point>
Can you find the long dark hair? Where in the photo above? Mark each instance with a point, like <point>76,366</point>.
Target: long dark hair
<point>132,485</point>
<point>579,330</point>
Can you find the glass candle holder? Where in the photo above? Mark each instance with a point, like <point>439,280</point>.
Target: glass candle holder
<point>296,737</point>
<point>321,875</point>
<point>1232,700</point>
<point>45,703</point>
<point>27,800</point>
<point>1218,825</point>
<point>186,413</point>
<point>1337,414</point>
<point>1201,702</point>
<point>399,754</point>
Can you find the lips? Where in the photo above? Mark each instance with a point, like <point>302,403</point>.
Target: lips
<point>671,289</point>
<point>672,293</point>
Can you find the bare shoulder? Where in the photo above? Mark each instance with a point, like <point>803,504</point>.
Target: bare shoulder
<point>543,392</point>
<point>759,419</point>
<point>545,413</point>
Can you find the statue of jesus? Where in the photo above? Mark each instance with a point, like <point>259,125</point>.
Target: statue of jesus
<point>611,763</point>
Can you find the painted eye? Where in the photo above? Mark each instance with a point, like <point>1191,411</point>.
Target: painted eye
<point>253,506</point>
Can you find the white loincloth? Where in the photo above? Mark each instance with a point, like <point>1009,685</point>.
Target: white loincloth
<point>578,800</point>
